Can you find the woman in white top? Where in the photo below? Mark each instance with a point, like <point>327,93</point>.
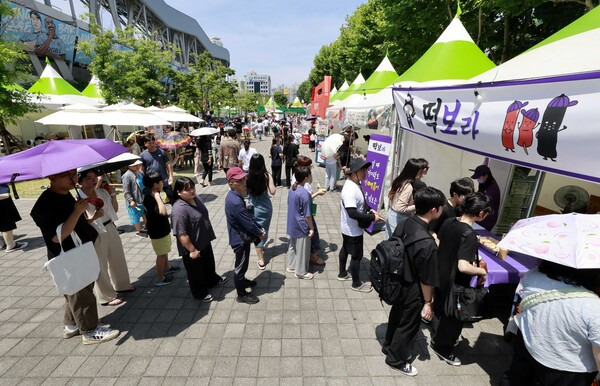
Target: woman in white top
<point>102,213</point>
<point>401,203</point>
<point>558,342</point>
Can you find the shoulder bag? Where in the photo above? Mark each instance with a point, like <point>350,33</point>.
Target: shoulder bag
<point>466,304</point>
<point>74,269</point>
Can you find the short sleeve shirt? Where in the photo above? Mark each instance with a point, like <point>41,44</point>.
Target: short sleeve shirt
<point>245,157</point>
<point>156,162</point>
<point>157,224</point>
<point>422,255</point>
<point>457,242</point>
<point>352,197</point>
<point>192,221</point>
<point>52,209</point>
<point>298,211</point>
<point>559,334</point>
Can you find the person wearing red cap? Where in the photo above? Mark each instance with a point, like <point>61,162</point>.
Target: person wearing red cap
<point>243,230</point>
<point>488,186</point>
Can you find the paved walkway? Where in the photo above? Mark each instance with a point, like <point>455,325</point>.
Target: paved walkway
<point>302,332</point>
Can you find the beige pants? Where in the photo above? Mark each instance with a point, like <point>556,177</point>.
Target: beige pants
<point>111,256</point>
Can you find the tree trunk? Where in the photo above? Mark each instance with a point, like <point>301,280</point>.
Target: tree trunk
<point>3,133</point>
<point>506,45</point>
<point>480,24</point>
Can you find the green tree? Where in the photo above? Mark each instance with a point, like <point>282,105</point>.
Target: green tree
<point>14,101</point>
<point>204,85</point>
<point>305,91</point>
<point>246,101</point>
<point>280,98</point>
<point>128,67</point>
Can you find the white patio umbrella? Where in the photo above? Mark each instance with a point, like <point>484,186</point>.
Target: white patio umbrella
<point>174,109</point>
<point>204,131</point>
<point>131,115</point>
<point>78,114</point>
<point>177,116</point>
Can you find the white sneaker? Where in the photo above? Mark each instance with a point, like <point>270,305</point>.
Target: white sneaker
<point>306,276</point>
<point>71,330</point>
<point>100,335</point>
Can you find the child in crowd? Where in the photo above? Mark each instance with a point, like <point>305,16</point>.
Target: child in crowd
<point>300,227</point>
<point>134,197</point>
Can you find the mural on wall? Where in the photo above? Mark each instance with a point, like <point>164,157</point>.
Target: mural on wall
<point>44,35</point>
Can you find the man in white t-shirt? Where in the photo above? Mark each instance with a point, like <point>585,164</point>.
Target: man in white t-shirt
<point>352,212</point>
<point>245,155</point>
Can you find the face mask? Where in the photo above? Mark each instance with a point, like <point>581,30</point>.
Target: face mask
<point>480,180</point>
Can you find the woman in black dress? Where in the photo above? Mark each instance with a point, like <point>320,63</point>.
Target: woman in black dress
<point>204,145</point>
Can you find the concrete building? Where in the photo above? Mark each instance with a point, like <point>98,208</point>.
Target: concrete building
<point>151,18</point>
<point>256,83</point>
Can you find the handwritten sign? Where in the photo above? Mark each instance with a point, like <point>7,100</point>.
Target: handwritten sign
<point>378,154</point>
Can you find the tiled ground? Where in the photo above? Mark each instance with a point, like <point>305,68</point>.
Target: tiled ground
<point>302,332</point>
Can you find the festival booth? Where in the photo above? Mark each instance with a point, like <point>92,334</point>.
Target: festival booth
<point>92,91</point>
<point>535,113</point>
<point>51,92</point>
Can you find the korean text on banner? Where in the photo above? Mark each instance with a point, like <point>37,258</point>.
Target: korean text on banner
<point>378,153</point>
<point>547,124</point>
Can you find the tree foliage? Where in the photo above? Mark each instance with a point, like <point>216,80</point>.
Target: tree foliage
<point>14,102</point>
<point>304,91</point>
<point>246,101</point>
<point>405,29</point>
<point>280,98</point>
<point>204,85</point>
<point>128,67</point>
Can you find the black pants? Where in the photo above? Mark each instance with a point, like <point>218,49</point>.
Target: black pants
<point>276,171</point>
<point>447,332</point>
<point>201,272</point>
<point>525,370</point>
<point>403,325</point>
<point>242,258</point>
<point>207,170</point>
<point>352,246</point>
<point>288,173</point>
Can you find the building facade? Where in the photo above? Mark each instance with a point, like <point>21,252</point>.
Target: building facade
<point>256,83</point>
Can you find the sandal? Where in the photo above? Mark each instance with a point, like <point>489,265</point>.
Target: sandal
<point>114,302</point>
<point>131,289</point>
<point>261,267</point>
<point>317,261</point>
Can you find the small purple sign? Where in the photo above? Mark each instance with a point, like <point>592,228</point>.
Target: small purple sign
<point>378,154</point>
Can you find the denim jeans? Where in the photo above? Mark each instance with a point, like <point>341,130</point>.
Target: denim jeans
<point>330,173</point>
<point>393,220</point>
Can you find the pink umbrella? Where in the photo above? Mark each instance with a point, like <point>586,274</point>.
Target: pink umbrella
<point>568,239</point>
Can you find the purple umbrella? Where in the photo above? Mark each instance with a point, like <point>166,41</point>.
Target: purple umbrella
<point>55,157</point>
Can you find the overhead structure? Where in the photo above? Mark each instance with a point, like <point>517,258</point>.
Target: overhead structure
<point>55,91</point>
<point>296,103</point>
<point>157,20</point>
<point>335,97</point>
<point>383,77</point>
<point>343,94</point>
<point>93,90</point>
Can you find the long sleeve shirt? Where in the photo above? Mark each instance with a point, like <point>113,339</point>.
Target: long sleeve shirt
<point>403,201</point>
<point>239,219</point>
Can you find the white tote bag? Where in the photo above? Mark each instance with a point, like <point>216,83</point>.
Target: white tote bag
<point>75,269</point>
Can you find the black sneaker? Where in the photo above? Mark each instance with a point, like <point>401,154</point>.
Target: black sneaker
<point>406,369</point>
<point>449,359</point>
<point>141,234</point>
<point>248,299</point>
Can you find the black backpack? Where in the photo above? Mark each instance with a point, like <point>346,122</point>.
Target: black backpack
<point>388,265</point>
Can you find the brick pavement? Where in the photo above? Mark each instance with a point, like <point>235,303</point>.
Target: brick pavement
<point>302,332</point>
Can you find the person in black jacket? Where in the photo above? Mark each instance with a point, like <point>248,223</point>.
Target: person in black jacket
<point>290,153</point>
<point>204,145</point>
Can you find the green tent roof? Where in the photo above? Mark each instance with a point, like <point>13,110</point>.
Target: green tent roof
<point>271,104</point>
<point>93,89</point>
<point>296,103</point>
<point>339,92</point>
<point>51,83</point>
<point>454,56</point>
<point>352,89</point>
<point>383,76</point>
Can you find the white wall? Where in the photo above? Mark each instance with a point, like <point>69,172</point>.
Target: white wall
<point>553,182</point>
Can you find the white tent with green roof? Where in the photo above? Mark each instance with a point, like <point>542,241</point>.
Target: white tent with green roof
<point>339,92</point>
<point>55,91</point>
<point>296,103</point>
<point>343,94</point>
<point>569,51</point>
<point>271,105</point>
<point>383,77</point>
<point>93,90</point>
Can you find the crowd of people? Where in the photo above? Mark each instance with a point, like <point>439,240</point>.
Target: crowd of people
<point>437,232</point>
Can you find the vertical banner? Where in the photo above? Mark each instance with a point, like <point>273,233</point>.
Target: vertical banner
<point>318,159</point>
<point>379,151</point>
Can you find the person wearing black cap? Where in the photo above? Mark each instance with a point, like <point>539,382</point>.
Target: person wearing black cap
<point>488,186</point>
<point>355,213</point>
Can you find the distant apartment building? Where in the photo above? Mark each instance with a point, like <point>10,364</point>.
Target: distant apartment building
<point>290,92</point>
<point>256,83</point>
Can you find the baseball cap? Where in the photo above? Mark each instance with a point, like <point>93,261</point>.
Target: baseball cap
<point>235,173</point>
<point>137,162</point>
<point>480,171</point>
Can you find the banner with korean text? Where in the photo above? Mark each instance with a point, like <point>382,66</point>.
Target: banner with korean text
<point>380,147</point>
<point>549,124</point>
